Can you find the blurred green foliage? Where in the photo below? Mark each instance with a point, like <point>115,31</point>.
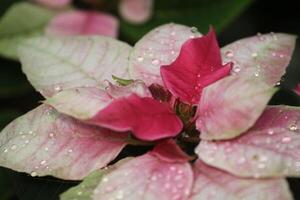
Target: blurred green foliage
<point>198,13</point>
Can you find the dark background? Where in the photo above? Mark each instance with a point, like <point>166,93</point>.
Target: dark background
<point>261,16</point>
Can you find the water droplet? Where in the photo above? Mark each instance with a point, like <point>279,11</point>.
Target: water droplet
<point>172,52</point>
<point>293,127</point>
<point>33,174</point>
<point>256,74</point>
<point>70,151</point>
<point>153,178</point>
<point>21,133</point>
<point>173,168</point>
<point>120,195</point>
<point>198,75</point>
<point>173,33</point>
<point>278,83</point>
<point>236,68</point>
<point>104,179</point>
<point>286,139</point>
<point>229,54</point>
<point>270,132</point>
<point>43,162</point>
<point>194,29</point>
<point>281,55</point>
<point>46,149</point>
<point>51,135</point>
<point>274,54</point>
<point>274,36</point>
<point>79,193</point>
<point>57,88</point>
<point>109,189</point>
<point>13,147</point>
<point>26,141</point>
<point>167,185</point>
<point>140,59</point>
<point>30,132</point>
<point>241,160</point>
<point>254,55</point>
<point>155,62</point>
<point>261,165</point>
<point>5,150</point>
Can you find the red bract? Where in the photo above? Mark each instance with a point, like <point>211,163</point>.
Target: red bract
<point>225,121</point>
<point>297,89</point>
<point>198,65</point>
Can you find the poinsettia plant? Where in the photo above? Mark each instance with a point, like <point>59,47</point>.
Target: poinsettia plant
<point>201,110</point>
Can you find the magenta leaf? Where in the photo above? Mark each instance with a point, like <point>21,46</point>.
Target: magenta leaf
<point>231,106</point>
<point>44,142</point>
<point>120,109</point>
<point>83,23</point>
<point>297,89</point>
<point>198,65</point>
<point>146,177</point>
<point>147,118</point>
<point>159,47</point>
<point>136,11</point>
<point>264,57</point>
<point>211,183</point>
<point>271,148</point>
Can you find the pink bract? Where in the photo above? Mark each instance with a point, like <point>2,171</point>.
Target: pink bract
<point>198,65</point>
<point>244,147</point>
<point>83,23</point>
<point>136,11</point>
<point>297,89</point>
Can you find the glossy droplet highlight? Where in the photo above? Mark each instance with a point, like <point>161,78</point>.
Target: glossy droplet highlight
<point>155,62</point>
<point>229,54</point>
<point>293,127</point>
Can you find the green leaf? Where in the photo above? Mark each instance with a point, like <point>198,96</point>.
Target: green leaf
<point>21,21</point>
<point>198,13</point>
<point>84,190</point>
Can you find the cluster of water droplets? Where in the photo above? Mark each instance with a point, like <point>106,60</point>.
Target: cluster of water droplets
<point>231,54</point>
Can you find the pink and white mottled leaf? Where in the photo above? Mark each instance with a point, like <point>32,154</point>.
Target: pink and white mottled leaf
<point>44,142</point>
<point>271,148</point>
<point>146,177</point>
<point>146,117</point>
<point>159,47</point>
<point>198,65</point>
<point>169,151</point>
<point>136,11</point>
<point>83,23</point>
<point>54,64</point>
<point>297,89</point>
<point>231,106</point>
<point>53,3</point>
<point>211,183</point>
<point>81,103</point>
<point>264,57</point>
<point>94,99</point>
